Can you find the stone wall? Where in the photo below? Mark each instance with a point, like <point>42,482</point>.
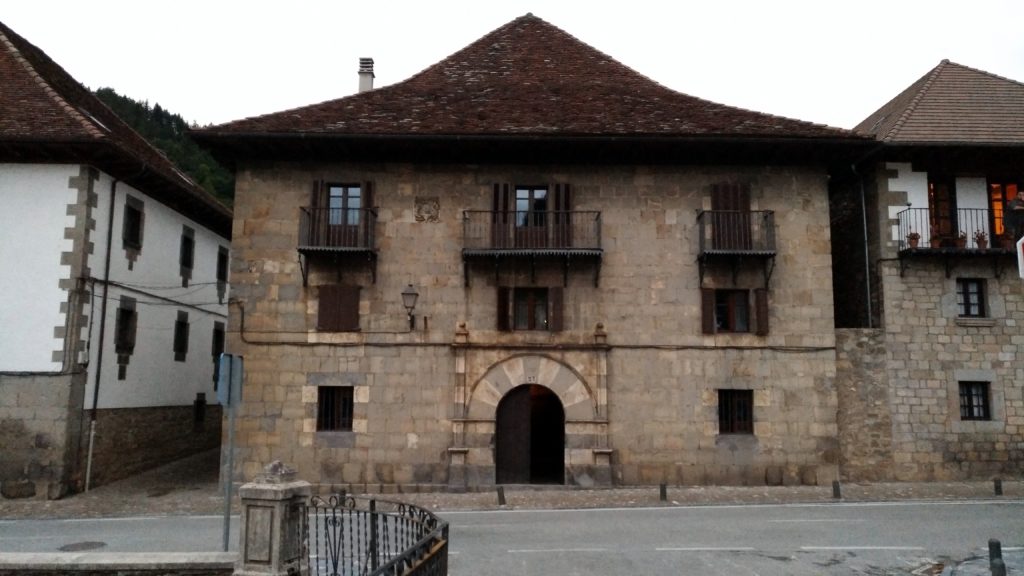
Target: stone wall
<point>39,423</point>
<point>864,419</point>
<point>931,349</point>
<point>652,399</point>
<point>130,440</point>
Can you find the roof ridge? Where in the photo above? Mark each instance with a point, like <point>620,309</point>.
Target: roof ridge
<point>985,72</point>
<point>47,88</point>
<point>912,106</point>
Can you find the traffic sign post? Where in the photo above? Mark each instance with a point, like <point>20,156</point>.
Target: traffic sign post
<point>229,394</point>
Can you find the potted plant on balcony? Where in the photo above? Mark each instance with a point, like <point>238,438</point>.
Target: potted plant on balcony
<point>981,239</point>
<point>1006,241</point>
<point>961,239</point>
<point>935,239</point>
<point>913,239</point>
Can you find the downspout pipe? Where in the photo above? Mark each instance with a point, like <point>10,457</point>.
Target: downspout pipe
<point>864,229</point>
<point>103,329</point>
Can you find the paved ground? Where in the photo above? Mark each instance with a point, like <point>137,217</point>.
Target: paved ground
<point>189,487</point>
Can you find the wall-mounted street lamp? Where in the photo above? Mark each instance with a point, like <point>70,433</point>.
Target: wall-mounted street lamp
<point>409,296</point>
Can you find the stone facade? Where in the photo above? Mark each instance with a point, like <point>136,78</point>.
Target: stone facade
<point>40,416</point>
<point>637,378</point>
<point>865,415</point>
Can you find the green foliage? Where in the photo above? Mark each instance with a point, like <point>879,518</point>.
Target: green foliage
<point>167,131</point>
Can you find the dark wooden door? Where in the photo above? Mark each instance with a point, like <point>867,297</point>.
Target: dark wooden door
<point>730,206</point>
<point>512,442</point>
<point>530,437</point>
<point>942,208</point>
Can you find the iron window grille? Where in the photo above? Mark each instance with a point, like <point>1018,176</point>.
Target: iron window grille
<point>735,411</point>
<point>334,408</point>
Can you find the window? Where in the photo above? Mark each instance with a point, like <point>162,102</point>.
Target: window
<point>729,311</point>
<point>970,297</point>
<point>186,254</point>
<point>216,349</point>
<point>344,202</point>
<point>974,401</point>
<point>222,273</point>
<point>181,337</point>
<point>735,411</point>
<point>124,330</point>
<point>131,233</point>
<point>334,408</point>
<point>339,308</point>
<point>530,309</point>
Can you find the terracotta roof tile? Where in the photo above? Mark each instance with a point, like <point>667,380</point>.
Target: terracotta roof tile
<point>952,104</point>
<point>43,107</point>
<point>528,77</point>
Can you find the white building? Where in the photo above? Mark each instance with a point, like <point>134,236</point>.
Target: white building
<point>115,277</point>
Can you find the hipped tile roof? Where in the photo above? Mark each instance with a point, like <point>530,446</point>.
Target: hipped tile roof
<point>46,113</point>
<point>952,104</point>
<point>530,78</point>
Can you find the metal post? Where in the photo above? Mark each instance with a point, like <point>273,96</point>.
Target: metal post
<point>501,495</point>
<point>374,560</point>
<point>663,492</point>
<point>998,485</point>
<point>837,492</point>
<point>995,558</point>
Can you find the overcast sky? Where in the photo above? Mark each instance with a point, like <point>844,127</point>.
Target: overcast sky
<point>825,61</point>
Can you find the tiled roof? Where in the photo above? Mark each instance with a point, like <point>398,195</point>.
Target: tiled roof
<point>45,113</point>
<point>952,104</point>
<point>527,78</point>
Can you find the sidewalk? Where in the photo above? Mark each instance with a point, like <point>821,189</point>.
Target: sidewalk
<point>190,487</point>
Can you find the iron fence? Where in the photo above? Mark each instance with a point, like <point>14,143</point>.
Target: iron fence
<point>354,536</point>
<point>736,231</point>
<point>337,228</point>
<point>971,228</point>
<point>531,230</point>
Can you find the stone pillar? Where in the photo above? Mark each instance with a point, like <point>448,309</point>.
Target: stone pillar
<point>272,536</point>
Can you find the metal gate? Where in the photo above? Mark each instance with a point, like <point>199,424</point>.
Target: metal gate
<point>356,536</point>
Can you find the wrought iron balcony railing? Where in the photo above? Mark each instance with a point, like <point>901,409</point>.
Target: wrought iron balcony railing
<point>337,229</point>
<point>736,232</point>
<point>972,229</point>
<point>549,231</point>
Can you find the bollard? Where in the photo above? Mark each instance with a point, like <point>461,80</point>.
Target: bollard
<point>836,491</point>
<point>995,558</point>
<point>998,485</point>
<point>501,495</point>
<point>663,492</point>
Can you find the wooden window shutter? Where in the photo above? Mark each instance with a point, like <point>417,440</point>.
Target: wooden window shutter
<point>761,311</point>
<point>707,310</point>
<point>339,309</point>
<point>504,295</point>
<point>555,309</point>
<point>501,230</point>
<point>366,221</point>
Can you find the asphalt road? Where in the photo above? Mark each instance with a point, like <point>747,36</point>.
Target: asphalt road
<point>767,540</point>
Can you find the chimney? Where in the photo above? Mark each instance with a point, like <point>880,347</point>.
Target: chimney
<point>365,74</point>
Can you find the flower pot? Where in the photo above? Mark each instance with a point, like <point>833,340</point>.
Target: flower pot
<point>961,242</point>
<point>982,244</point>
<point>913,242</point>
<point>936,242</point>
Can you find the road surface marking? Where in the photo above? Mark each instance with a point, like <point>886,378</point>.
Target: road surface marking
<point>707,549</point>
<point>542,550</point>
<point>803,520</point>
<point>862,548</point>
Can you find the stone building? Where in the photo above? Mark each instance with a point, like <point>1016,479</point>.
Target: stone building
<point>114,289</point>
<point>931,348</point>
<point>616,283</point>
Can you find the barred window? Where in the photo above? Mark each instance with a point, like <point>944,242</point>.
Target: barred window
<point>334,408</point>
<point>974,401</point>
<point>970,297</point>
<point>735,411</point>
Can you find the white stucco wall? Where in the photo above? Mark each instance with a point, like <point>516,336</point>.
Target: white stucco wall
<point>973,193</point>
<point>32,222</point>
<point>153,377</point>
<point>915,184</point>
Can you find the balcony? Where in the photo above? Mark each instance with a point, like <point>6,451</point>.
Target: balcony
<point>337,234</point>
<point>561,235</point>
<point>974,233</point>
<point>735,236</point>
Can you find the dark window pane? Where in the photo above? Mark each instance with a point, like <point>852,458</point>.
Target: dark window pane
<point>736,411</point>
<point>334,408</point>
<point>974,401</point>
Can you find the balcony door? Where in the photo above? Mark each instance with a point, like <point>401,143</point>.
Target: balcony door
<point>344,214</point>
<point>532,217</point>
<point>730,227</point>
<point>942,208</point>
<point>531,220</point>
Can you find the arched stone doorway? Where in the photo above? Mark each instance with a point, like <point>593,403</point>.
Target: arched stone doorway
<point>530,437</point>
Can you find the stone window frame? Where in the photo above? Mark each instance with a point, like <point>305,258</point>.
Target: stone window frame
<point>132,237</point>
<point>360,400</point>
<point>966,287</point>
<point>996,398</point>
